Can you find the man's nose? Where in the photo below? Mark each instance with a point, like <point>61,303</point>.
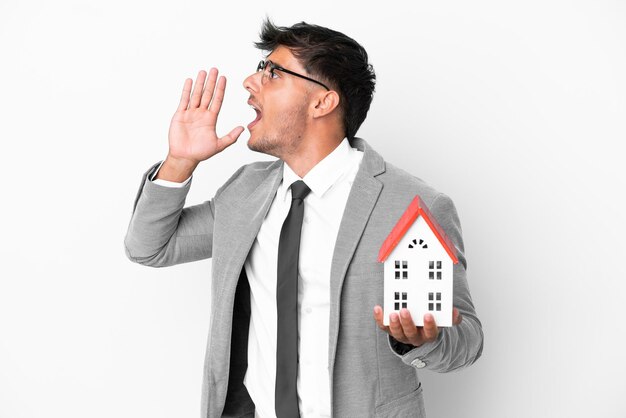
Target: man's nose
<point>253,81</point>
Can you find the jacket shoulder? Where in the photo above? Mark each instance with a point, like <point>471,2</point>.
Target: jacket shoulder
<point>398,182</point>
<point>249,173</point>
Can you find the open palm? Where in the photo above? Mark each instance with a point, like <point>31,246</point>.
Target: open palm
<point>192,134</point>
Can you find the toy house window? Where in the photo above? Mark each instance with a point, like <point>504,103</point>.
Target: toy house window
<point>401,269</point>
<point>434,301</point>
<point>399,301</point>
<point>416,243</point>
<point>434,270</point>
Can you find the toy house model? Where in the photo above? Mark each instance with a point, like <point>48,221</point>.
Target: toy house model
<point>419,259</point>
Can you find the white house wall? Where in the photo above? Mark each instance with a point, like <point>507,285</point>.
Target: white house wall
<point>418,285</point>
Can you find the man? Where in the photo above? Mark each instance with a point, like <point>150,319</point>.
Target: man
<point>294,242</point>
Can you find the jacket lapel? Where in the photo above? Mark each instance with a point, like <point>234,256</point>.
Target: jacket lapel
<point>361,201</point>
<point>243,228</point>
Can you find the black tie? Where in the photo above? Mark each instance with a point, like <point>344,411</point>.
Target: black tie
<point>286,394</point>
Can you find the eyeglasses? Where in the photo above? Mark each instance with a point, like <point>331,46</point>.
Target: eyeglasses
<point>264,65</point>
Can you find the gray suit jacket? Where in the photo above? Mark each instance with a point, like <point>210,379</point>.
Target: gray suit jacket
<point>371,374</point>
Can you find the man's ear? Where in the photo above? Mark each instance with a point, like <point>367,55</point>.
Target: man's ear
<point>325,103</point>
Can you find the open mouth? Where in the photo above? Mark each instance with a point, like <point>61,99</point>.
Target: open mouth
<point>259,115</point>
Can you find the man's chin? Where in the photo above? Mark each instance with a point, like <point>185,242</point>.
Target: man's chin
<point>261,145</point>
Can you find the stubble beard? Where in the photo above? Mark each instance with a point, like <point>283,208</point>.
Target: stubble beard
<point>285,135</point>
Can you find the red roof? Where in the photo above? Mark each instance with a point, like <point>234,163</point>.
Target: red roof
<point>415,209</point>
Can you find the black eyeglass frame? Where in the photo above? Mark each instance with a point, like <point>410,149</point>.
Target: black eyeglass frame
<point>263,64</point>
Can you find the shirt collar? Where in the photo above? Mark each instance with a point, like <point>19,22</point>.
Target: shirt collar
<point>323,175</point>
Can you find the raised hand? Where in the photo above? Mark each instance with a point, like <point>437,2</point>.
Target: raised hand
<point>192,135</point>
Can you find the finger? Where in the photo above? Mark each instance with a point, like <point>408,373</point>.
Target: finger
<point>184,98</point>
<point>197,90</point>
<point>456,316</point>
<point>218,98</point>
<point>230,138</point>
<point>395,328</point>
<point>208,90</point>
<point>430,329</point>
<point>408,326</point>
<point>378,316</point>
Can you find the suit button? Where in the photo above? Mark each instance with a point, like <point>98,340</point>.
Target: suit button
<point>418,364</point>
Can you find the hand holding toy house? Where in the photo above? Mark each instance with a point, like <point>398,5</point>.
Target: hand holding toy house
<point>418,270</point>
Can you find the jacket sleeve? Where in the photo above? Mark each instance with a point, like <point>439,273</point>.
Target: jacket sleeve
<point>161,232</point>
<point>460,345</point>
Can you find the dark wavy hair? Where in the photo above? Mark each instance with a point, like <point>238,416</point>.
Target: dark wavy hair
<point>332,57</point>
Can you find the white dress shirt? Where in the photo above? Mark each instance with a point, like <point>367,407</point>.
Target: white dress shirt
<point>330,182</point>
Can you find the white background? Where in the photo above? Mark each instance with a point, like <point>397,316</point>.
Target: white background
<point>514,109</point>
